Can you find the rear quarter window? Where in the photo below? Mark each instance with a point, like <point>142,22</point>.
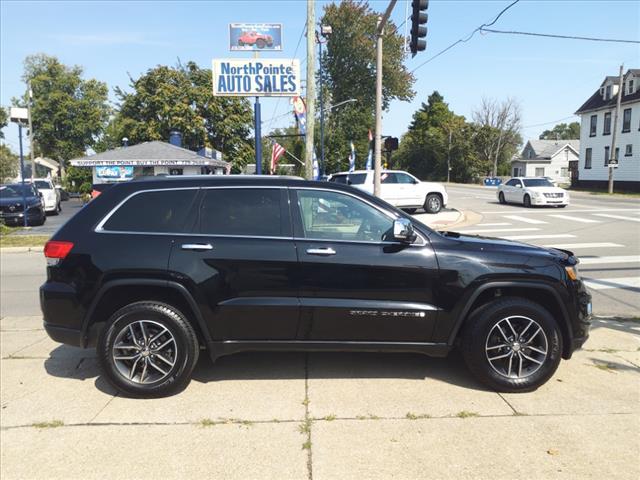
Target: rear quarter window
<point>155,211</point>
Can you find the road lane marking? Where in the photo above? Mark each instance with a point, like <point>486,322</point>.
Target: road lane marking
<point>610,259</point>
<point>497,230</point>
<point>542,211</point>
<point>617,217</point>
<point>523,219</point>
<point>534,237</point>
<point>623,283</point>
<point>499,224</point>
<point>572,246</point>
<point>575,219</point>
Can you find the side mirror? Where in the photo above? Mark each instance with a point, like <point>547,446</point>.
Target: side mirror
<point>40,194</point>
<point>403,230</point>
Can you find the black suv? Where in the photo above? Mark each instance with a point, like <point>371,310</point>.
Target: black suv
<point>153,271</point>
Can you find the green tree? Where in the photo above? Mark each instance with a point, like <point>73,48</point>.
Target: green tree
<point>68,113</point>
<point>8,164</point>
<point>562,131</point>
<point>4,120</point>
<point>181,98</point>
<point>348,69</point>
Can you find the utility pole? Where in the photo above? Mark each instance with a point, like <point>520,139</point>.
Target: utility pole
<point>377,165</point>
<point>31,144</point>
<point>311,89</point>
<point>612,155</point>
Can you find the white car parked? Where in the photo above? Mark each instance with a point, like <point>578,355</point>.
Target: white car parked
<point>399,188</point>
<point>531,191</point>
<point>50,195</point>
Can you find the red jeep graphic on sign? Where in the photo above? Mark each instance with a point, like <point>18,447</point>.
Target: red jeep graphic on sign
<point>255,38</point>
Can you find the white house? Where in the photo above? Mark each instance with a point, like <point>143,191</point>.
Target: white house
<point>595,134</point>
<point>546,158</point>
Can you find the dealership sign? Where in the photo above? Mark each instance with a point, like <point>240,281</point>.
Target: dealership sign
<point>255,36</point>
<point>115,173</point>
<point>256,77</point>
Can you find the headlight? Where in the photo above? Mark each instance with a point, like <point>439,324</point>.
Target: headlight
<point>572,272</point>
<point>535,194</point>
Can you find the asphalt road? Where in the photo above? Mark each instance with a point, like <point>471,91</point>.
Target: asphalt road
<point>69,208</point>
<point>603,231</point>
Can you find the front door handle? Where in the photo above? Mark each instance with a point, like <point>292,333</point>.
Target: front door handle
<point>197,246</point>
<point>321,251</point>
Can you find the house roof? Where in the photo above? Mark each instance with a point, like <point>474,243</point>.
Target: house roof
<point>147,154</point>
<point>545,149</point>
<point>596,101</point>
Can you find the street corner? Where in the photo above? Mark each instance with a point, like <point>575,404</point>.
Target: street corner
<point>445,219</point>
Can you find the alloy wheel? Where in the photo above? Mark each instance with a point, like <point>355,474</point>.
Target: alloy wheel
<point>516,347</point>
<point>144,352</point>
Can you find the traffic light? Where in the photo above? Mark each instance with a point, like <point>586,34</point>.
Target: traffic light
<point>390,144</point>
<point>418,26</point>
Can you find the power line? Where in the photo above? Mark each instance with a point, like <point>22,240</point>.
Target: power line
<point>468,37</point>
<point>549,35</point>
<point>549,123</point>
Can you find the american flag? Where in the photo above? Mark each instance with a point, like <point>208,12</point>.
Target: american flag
<point>277,151</point>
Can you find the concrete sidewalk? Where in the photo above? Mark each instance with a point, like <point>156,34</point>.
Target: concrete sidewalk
<point>319,415</point>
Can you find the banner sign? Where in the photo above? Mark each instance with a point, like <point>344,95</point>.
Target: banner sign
<point>114,173</point>
<point>255,36</point>
<point>300,110</point>
<point>256,77</point>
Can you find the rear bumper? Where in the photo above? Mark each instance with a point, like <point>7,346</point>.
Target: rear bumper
<point>63,314</point>
<point>68,336</point>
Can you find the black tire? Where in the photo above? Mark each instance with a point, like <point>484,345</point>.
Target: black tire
<point>260,43</point>
<point>240,43</point>
<point>501,198</point>
<point>479,332</point>
<point>410,211</point>
<point>527,201</point>
<point>59,206</point>
<point>185,349</point>
<point>433,203</point>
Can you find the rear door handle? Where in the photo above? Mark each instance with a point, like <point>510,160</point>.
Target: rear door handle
<point>197,246</point>
<point>321,251</point>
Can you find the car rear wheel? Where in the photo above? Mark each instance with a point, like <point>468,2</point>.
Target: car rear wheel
<point>240,43</point>
<point>260,43</point>
<point>433,203</point>
<point>148,349</point>
<point>512,345</point>
<point>501,198</point>
<point>527,201</point>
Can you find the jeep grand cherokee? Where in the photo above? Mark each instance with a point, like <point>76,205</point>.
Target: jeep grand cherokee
<point>154,271</point>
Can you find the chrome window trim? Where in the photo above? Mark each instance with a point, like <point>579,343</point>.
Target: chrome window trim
<point>100,227</point>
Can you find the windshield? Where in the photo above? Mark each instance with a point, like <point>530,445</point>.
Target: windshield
<point>14,191</point>
<point>537,182</point>
<point>42,185</point>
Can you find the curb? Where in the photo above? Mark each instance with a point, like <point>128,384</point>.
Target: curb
<point>440,224</point>
<point>21,249</point>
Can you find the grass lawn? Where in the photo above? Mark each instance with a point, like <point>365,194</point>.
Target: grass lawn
<point>22,240</point>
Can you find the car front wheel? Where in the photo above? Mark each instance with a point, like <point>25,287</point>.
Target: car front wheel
<point>527,201</point>
<point>148,349</point>
<point>512,345</point>
<point>433,203</point>
<point>501,198</point>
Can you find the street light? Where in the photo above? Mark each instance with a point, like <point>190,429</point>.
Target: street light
<point>341,103</point>
<point>325,31</point>
<point>20,116</point>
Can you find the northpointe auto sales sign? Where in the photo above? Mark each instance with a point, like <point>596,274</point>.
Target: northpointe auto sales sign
<point>256,77</point>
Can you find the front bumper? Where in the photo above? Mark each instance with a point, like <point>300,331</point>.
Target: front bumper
<point>542,200</point>
<point>18,218</point>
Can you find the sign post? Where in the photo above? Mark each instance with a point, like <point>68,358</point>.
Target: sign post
<point>258,132</point>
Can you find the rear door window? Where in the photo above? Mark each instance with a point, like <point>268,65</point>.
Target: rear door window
<point>243,212</point>
<point>161,211</point>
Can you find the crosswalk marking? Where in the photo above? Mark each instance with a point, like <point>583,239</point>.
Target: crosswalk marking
<point>610,259</point>
<point>573,246</point>
<point>534,237</point>
<point>546,211</point>
<point>499,224</point>
<point>617,217</point>
<point>575,219</point>
<point>497,230</point>
<point>523,219</point>
<point>625,283</point>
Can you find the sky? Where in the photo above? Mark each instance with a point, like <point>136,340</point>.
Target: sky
<point>551,78</point>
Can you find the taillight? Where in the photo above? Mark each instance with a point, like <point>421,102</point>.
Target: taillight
<point>56,251</point>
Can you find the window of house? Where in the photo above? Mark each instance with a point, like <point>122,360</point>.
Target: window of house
<point>155,211</point>
<point>628,150</point>
<point>176,171</point>
<point>630,87</point>
<point>564,172</point>
<point>540,172</point>
<point>607,152</point>
<point>587,158</point>
<point>606,130</point>
<point>607,94</point>
<point>242,212</point>
<point>626,120</point>
<point>594,125</point>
